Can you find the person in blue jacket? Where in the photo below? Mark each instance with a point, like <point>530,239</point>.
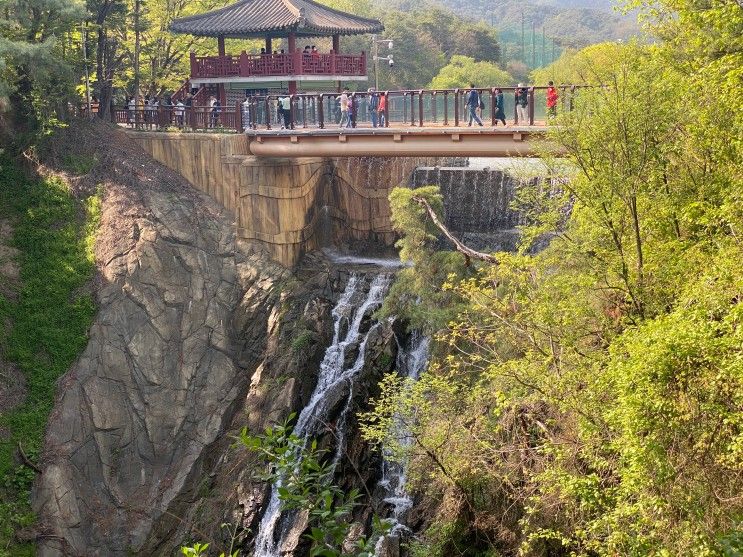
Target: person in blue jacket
<point>473,103</point>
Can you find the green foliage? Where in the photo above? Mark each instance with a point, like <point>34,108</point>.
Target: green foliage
<point>302,341</point>
<point>590,398</point>
<point>48,323</point>
<point>416,294</point>
<point>36,70</point>
<point>305,482</point>
<point>425,40</point>
<point>592,65</point>
<point>79,164</point>
<point>461,71</point>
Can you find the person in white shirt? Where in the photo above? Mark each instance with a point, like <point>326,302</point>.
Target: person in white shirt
<point>286,110</point>
<point>180,112</point>
<point>345,119</point>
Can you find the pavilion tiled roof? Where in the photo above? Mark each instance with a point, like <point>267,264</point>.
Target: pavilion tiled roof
<point>260,18</point>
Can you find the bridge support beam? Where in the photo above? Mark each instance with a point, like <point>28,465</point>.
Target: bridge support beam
<point>397,143</point>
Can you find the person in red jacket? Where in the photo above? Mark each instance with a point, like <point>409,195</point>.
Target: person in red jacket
<point>552,97</point>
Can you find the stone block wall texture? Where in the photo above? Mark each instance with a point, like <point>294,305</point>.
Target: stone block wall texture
<point>278,203</point>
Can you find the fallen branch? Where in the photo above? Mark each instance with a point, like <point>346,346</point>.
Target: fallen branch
<point>468,253</point>
<point>26,460</point>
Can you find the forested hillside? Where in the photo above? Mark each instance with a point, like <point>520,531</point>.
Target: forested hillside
<point>587,399</point>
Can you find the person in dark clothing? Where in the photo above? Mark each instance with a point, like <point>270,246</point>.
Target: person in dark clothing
<point>522,104</point>
<point>216,110</point>
<point>373,106</point>
<point>500,113</point>
<point>473,103</point>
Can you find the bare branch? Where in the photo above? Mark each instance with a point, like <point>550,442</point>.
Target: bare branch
<point>469,253</point>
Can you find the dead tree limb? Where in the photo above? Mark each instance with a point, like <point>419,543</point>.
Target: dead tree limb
<point>468,253</point>
<point>26,460</point>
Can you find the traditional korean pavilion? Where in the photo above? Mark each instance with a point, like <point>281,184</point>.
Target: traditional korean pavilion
<point>293,20</point>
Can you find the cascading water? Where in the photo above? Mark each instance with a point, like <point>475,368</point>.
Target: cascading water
<point>334,378</point>
<point>411,361</point>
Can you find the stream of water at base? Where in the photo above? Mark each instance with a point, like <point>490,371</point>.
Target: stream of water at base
<point>412,360</point>
<point>335,374</point>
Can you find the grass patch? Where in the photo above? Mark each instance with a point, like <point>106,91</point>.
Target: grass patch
<point>79,164</point>
<point>302,341</point>
<point>48,323</point>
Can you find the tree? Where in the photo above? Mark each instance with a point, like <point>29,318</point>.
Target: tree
<point>37,62</point>
<point>589,396</point>
<point>461,71</point>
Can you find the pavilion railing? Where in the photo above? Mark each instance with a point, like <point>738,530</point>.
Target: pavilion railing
<point>412,108</point>
<point>272,65</point>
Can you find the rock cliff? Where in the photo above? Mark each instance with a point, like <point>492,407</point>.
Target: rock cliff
<point>164,366</point>
<point>196,337</point>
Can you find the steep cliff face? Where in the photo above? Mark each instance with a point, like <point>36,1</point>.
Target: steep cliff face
<point>163,368</point>
<point>196,337</point>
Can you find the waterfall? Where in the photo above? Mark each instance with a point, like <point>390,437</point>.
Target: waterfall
<point>335,376</point>
<point>411,361</point>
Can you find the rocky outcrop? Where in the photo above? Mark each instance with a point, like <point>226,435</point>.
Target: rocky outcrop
<point>197,336</point>
<point>163,368</point>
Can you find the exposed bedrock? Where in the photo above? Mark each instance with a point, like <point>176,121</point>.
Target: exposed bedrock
<point>181,322</point>
<point>196,336</point>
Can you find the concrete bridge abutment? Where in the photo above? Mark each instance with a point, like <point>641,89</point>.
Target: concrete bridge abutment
<point>281,204</point>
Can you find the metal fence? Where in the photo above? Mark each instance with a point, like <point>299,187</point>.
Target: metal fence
<point>412,108</point>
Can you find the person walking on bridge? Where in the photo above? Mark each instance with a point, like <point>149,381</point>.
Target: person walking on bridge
<point>286,109</point>
<point>500,113</point>
<point>373,106</point>
<point>552,97</point>
<point>473,103</point>
<point>381,109</point>
<point>345,118</point>
<point>522,102</point>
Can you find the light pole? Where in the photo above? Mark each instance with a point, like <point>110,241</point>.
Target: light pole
<point>377,58</point>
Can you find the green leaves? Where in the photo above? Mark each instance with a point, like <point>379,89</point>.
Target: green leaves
<point>305,483</point>
<point>462,70</point>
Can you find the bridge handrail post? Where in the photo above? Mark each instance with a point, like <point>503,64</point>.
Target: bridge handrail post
<point>420,108</point>
<point>292,98</point>
<point>516,106</point>
<point>304,112</point>
<point>531,106</point>
<point>239,117</point>
<point>434,115</point>
<point>321,112</point>
<point>446,108</point>
<point>412,108</point>
<point>386,109</point>
<point>456,107</point>
<point>492,106</point>
<point>268,111</point>
<point>572,95</point>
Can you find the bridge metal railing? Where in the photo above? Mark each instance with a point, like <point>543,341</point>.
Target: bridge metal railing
<point>421,108</point>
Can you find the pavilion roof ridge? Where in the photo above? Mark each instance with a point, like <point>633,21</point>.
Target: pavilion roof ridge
<point>256,18</point>
<point>292,8</point>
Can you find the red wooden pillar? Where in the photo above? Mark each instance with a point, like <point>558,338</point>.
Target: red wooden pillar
<point>269,47</point>
<point>336,52</point>
<point>222,53</point>
<point>296,58</point>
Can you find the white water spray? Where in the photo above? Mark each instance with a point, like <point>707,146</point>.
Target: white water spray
<point>333,379</point>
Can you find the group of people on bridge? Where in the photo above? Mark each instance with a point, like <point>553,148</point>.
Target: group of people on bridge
<point>347,109</point>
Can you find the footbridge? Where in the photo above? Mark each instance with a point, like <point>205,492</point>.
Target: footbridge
<point>417,123</point>
<point>293,180</point>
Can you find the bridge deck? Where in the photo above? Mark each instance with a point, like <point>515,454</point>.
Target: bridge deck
<point>486,141</point>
